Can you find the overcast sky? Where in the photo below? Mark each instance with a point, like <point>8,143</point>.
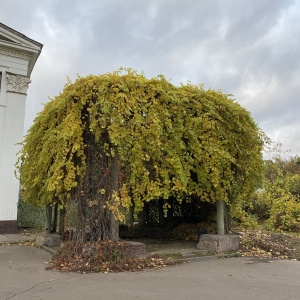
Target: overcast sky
<point>250,49</point>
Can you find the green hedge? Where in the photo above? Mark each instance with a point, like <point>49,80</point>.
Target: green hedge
<point>30,216</point>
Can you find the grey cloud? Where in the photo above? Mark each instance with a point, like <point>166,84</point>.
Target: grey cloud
<point>246,48</point>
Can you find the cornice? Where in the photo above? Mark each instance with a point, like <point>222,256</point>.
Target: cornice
<point>14,53</point>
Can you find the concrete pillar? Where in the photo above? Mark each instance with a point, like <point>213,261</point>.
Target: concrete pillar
<point>220,216</point>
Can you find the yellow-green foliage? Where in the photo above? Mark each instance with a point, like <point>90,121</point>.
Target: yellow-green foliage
<point>171,141</point>
<point>277,204</point>
<point>282,206</point>
<point>282,193</point>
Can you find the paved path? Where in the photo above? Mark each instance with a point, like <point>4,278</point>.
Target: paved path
<point>22,276</point>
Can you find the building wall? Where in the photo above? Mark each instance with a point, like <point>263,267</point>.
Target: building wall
<point>18,55</point>
<point>12,111</point>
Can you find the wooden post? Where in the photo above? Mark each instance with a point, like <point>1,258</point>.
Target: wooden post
<point>161,212</point>
<point>220,216</point>
<point>55,218</point>
<point>142,218</point>
<point>48,219</point>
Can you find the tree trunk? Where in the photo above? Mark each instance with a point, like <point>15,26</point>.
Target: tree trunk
<point>131,216</point>
<point>81,220</point>
<point>61,226</point>
<point>115,169</point>
<point>228,219</point>
<point>53,229</point>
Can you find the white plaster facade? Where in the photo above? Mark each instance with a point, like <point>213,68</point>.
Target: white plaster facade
<point>18,55</point>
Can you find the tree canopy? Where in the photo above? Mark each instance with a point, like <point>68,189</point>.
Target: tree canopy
<point>162,140</point>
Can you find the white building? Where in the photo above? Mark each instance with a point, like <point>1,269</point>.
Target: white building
<point>18,55</point>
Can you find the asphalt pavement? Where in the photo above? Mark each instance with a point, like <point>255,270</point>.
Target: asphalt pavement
<point>23,276</point>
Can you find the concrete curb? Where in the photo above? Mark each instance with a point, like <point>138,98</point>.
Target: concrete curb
<point>186,257</point>
<point>15,239</point>
<point>50,250</point>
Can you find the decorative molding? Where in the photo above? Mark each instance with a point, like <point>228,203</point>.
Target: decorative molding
<point>17,83</point>
<point>14,53</point>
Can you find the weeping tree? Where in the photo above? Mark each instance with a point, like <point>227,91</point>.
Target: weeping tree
<point>112,142</point>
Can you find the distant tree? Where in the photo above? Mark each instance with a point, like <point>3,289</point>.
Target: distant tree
<point>113,141</point>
